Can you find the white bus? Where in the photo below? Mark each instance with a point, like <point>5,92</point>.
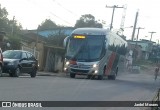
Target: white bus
<point>93,52</point>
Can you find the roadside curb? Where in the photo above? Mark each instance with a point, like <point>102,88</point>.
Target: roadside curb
<point>51,74</point>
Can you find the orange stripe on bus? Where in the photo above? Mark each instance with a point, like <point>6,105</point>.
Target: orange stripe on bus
<point>110,63</point>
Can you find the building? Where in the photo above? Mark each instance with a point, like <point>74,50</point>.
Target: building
<point>50,56</point>
<point>61,30</point>
<point>137,49</point>
<point>146,47</point>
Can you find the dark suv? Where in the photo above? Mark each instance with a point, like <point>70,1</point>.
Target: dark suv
<point>1,62</point>
<point>19,61</point>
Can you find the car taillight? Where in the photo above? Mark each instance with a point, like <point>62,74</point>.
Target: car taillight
<point>1,57</point>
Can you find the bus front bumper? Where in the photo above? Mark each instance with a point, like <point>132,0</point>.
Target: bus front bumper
<point>79,71</point>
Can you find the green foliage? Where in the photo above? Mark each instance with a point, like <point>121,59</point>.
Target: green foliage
<point>11,28</point>
<point>87,20</point>
<point>47,24</point>
<point>122,50</point>
<point>14,42</point>
<point>6,25</point>
<point>3,12</point>
<point>56,39</point>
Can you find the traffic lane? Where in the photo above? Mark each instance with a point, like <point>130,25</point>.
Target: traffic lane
<point>85,90</point>
<point>67,89</point>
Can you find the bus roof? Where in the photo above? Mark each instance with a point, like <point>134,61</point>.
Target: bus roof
<point>90,31</point>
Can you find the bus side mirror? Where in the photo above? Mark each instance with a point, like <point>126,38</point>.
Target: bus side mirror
<point>65,41</point>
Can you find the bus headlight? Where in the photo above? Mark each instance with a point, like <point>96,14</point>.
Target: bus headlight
<point>65,69</point>
<point>67,63</point>
<point>96,71</point>
<point>95,65</point>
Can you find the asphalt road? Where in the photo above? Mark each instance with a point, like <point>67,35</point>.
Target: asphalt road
<point>127,87</point>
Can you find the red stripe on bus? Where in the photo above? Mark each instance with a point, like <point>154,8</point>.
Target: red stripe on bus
<point>110,63</point>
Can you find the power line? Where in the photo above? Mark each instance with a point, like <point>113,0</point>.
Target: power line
<point>64,8</point>
<point>60,18</point>
<point>51,13</point>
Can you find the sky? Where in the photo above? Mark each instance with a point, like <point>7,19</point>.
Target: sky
<point>31,13</point>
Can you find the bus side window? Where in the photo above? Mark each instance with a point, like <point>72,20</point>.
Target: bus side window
<point>106,43</point>
<point>105,48</point>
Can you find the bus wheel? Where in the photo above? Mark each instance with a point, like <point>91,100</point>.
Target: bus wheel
<point>112,77</point>
<point>116,71</point>
<point>72,75</point>
<point>100,77</point>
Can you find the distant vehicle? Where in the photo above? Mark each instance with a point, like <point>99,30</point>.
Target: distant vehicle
<point>1,62</point>
<point>93,52</point>
<point>19,61</point>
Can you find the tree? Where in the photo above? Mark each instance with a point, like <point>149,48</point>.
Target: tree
<point>47,24</point>
<point>87,20</point>
<point>56,39</point>
<point>10,27</point>
<point>3,19</point>
<point>6,24</point>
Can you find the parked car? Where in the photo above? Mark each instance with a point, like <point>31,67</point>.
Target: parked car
<point>17,62</point>
<point>1,61</point>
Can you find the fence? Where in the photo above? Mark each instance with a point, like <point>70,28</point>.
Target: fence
<point>32,50</point>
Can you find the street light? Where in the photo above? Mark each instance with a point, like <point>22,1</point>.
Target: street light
<point>114,6</point>
<point>128,27</point>
<point>151,34</point>
<point>138,31</point>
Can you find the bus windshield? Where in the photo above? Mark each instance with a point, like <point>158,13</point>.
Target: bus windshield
<point>87,49</point>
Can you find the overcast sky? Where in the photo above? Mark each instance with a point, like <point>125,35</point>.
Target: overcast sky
<point>31,13</point>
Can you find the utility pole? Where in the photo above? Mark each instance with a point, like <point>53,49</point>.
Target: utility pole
<point>151,34</point>
<point>123,18</point>
<point>138,32</point>
<point>134,27</point>
<point>114,7</point>
<point>36,43</point>
<point>13,25</point>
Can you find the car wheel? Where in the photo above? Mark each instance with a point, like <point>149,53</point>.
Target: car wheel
<point>17,72</point>
<point>0,71</point>
<point>112,77</point>
<point>11,74</point>
<point>72,75</point>
<point>33,73</point>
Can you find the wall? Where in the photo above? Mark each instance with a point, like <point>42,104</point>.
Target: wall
<point>54,61</point>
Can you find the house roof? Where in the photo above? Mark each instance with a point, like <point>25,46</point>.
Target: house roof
<point>33,37</point>
<point>63,30</point>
